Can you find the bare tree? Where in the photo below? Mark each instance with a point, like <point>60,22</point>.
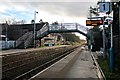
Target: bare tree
<point>12,21</point>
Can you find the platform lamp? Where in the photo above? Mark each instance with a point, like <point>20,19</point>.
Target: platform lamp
<point>35,28</point>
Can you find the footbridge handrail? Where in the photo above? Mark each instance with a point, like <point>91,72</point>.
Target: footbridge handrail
<point>64,27</point>
<point>43,29</point>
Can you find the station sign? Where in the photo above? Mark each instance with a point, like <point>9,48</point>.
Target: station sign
<point>105,6</point>
<point>93,22</point>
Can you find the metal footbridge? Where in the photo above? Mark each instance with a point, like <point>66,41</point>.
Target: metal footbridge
<point>62,28</point>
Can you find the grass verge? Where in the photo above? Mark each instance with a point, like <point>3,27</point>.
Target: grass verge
<point>110,75</point>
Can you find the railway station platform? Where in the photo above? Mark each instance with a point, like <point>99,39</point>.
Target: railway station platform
<point>14,51</point>
<point>77,65</point>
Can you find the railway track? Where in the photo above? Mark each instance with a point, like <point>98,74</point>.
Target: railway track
<point>29,66</point>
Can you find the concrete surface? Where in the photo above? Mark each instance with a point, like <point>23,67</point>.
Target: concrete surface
<point>78,64</point>
<point>12,51</point>
<point>83,67</point>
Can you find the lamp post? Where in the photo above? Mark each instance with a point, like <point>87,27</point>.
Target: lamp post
<point>35,28</point>
<point>6,41</point>
<point>104,41</point>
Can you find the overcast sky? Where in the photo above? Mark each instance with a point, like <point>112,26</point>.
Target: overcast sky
<point>48,10</point>
<point>52,9</point>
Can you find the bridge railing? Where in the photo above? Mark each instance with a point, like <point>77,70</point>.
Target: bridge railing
<point>21,39</point>
<point>68,26</point>
<point>29,40</point>
<point>54,27</point>
<point>64,26</point>
<point>82,28</point>
<point>43,30</point>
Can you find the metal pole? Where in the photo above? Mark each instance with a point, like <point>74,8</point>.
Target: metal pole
<point>90,12</point>
<point>111,49</point>
<point>6,31</point>
<point>6,43</point>
<point>90,40</point>
<point>34,29</point>
<point>104,53</point>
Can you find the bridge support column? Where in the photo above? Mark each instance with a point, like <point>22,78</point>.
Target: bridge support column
<point>40,42</point>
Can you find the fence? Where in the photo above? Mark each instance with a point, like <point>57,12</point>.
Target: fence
<point>7,44</point>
